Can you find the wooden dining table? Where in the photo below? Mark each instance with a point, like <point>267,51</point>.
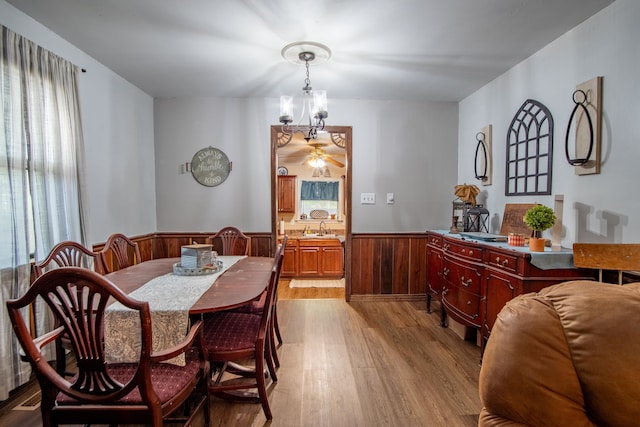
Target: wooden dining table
<point>244,281</point>
<point>174,299</point>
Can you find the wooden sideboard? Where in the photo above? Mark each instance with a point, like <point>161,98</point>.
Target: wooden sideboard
<point>473,280</point>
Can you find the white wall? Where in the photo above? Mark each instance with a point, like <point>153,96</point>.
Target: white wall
<point>597,208</point>
<point>405,148</point>
<point>118,134</point>
<point>133,169</point>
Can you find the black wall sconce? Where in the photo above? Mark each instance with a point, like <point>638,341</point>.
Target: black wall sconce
<point>481,149</point>
<point>580,101</point>
<point>482,160</point>
<point>586,118</point>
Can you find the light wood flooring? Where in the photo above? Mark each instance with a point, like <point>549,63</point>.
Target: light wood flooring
<point>355,364</point>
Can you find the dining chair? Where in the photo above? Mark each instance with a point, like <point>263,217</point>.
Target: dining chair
<point>124,253</point>
<point>256,307</point>
<point>231,241</point>
<point>232,337</point>
<point>67,254</point>
<point>145,392</point>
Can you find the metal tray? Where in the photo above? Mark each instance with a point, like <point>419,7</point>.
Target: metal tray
<point>179,270</point>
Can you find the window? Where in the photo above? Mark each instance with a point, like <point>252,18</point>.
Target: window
<point>40,151</point>
<point>319,196</point>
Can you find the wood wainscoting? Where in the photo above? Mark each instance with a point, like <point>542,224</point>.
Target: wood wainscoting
<point>380,266</point>
<point>388,267</point>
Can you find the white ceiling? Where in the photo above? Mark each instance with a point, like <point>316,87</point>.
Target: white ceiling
<point>382,49</point>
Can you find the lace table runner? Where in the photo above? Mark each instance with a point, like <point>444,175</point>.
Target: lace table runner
<point>170,297</point>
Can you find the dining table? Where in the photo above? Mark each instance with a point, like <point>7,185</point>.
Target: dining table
<point>174,299</point>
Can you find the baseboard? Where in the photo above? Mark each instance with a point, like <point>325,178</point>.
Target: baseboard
<point>389,297</point>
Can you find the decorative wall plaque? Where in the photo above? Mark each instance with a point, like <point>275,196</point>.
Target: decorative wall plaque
<point>210,167</point>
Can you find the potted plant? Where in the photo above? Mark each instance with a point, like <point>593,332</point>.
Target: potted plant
<point>539,218</point>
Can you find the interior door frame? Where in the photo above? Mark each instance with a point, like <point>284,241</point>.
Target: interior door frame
<point>347,131</point>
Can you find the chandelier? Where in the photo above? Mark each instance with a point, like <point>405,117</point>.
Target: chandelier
<point>314,102</point>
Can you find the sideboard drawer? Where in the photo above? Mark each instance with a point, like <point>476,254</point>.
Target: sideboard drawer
<point>463,250</point>
<point>462,304</point>
<point>434,240</point>
<point>462,275</point>
<point>503,261</point>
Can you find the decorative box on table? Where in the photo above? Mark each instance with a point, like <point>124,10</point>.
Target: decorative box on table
<point>196,256</point>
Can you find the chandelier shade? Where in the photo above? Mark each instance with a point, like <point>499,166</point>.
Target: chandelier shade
<point>314,103</point>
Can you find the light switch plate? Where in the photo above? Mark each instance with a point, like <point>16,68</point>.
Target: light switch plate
<point>367,198</point>
<point>390,198</point>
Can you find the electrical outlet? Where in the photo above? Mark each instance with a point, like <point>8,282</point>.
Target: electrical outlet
<point>367,198</point>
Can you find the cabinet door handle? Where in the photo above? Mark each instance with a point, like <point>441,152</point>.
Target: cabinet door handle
<point>470,252</point>
<point>462,251</point>
<point>445,271</point>
<point>468,302</point>
<point>465,283</point>
<point>446,247</point>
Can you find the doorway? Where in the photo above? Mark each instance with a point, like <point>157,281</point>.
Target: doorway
<point>334,146</point>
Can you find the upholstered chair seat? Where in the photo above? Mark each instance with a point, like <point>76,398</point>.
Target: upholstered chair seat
<point>168,379</point>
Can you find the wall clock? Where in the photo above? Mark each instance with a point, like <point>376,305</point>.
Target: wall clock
<point>283,171</point>
<point>210,166</point>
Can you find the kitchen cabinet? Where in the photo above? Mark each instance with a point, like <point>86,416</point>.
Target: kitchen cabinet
<point>313,258</point>
<point>473,280</point>
<point>290,262</point>
<point>332,258</point>
<point>287,193</point>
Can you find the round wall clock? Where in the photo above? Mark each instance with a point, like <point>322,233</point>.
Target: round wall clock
<point>210,166</point>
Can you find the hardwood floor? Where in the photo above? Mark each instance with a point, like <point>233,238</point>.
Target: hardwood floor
<point>356,364</point>
<point>285,292</point>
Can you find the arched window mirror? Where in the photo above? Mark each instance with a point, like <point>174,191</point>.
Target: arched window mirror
<point>529,151</point>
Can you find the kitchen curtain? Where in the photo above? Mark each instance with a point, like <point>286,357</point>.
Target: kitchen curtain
<point>319,190</point>
<point>41,158</point>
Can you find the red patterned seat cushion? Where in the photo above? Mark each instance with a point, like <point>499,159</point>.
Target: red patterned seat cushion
<point>168,379</point>
<point>253,307</point>
<point>230,331</point>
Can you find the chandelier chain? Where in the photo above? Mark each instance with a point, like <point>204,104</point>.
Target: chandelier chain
<point>307,81</point>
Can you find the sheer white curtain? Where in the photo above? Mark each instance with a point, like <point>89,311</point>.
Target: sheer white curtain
<point>41,158</point>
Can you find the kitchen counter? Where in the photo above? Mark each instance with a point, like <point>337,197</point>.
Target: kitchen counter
<point>339,237</point>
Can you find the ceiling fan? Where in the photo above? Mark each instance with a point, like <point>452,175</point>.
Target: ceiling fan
<point>317,156</point>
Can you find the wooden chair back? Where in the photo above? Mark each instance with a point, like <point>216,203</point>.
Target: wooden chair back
<point>69,254</point>
<point>279,257</point>
<point>99,392</point>
<point>231,241</point>
<point>119,252</point>
<point>607,256</point>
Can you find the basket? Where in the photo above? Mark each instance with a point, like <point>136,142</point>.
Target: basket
<point>319,214</point>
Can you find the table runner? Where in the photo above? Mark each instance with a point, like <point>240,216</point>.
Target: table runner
<point>170,297</point>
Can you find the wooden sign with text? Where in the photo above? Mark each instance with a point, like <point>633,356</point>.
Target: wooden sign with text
<point>512,221</point>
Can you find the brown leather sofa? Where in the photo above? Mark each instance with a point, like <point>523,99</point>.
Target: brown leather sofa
<point>566,356</point>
